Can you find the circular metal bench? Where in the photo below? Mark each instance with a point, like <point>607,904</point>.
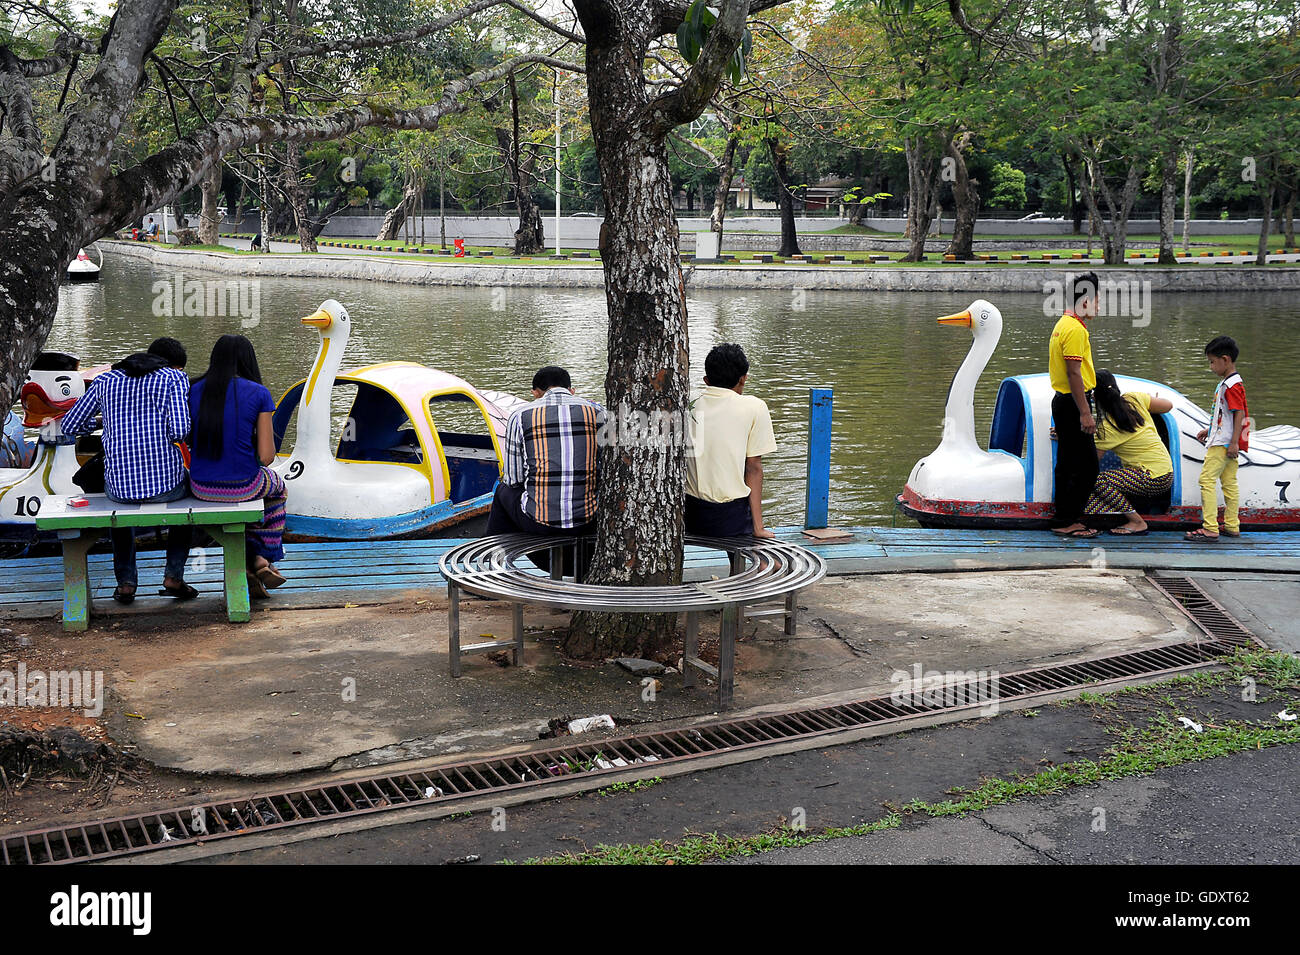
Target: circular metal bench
<point>762,570</point>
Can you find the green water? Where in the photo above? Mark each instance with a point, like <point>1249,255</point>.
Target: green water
<point>884,355</point>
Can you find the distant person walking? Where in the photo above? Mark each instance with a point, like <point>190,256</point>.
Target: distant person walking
<point>732,431</point>
<point>1073,378</point>
<point>1227,436</point>
<point>233,446</point>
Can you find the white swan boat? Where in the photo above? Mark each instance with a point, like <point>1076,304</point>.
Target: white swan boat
<point>46,397</point>
<point>1011,483</point>
<point>418,451</point>
<point>82,269</point>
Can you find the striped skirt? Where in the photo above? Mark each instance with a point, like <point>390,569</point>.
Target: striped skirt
<point>265,538</point>
<point>1109,494</point>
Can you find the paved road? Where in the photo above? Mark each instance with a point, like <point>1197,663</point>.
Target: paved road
<point>1237,810</point>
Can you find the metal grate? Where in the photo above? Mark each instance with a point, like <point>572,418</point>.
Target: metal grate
<point>1204,611</point>
<point>129,835</point>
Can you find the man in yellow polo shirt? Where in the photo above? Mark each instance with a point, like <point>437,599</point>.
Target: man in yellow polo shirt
<point>731,432</point>
<point>1069,365</point>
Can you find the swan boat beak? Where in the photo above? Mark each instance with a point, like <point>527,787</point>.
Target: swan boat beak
<point>961,319</point>
<point>320,319</point>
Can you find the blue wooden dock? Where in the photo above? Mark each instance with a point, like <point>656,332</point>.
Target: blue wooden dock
<point>361,573</point>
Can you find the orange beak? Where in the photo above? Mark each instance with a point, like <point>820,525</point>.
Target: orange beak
<point>39,408</point>
<point>961,318</point>
<point>319,318</point>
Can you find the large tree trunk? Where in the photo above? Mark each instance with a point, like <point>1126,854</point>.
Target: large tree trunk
<point>1114,224</point>
<point>210,218</point>
<point>298,198</point>
<point>1168,198</point>
<point>530,239</point>
<point>785,198</point>
<point>1187,199</point>
<point>642,482</point>
<point>966,196</point>
<point>726,170</point>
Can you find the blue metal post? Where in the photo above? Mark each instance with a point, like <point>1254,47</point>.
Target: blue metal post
<point>817,508</point>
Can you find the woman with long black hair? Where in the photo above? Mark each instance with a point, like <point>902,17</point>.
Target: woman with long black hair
<point>232,445</point>
<point>1126,426</point>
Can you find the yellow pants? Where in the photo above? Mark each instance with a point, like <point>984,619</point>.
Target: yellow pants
<point>1218,467</point>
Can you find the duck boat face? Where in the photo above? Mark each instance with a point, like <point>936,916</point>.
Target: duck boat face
<point>418,451</point>
<point>1011,484</point>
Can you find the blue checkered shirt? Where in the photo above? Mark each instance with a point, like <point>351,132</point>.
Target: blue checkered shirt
<point>143,417</point>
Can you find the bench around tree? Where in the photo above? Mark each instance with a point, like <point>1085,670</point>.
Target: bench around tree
<point>762,570</point>
<point>80,528</point>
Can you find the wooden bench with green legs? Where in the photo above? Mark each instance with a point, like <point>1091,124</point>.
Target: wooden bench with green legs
<point>80,528</point>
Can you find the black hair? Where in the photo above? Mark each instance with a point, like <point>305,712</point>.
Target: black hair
<point>1084,286</point>
<point>1115,408</point>
<point>1223,345</point>
<point>170,350</point>
<point>552,376</point>
<point>55,361</point>
<point>725,365</point>
<point>232,357</point>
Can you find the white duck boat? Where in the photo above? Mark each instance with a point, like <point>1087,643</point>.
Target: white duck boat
<point>395,471</point>
<point>1011,484</point>
<point>82,269</point>
<point>46,397</point>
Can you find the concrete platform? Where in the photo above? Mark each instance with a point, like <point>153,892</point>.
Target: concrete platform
<point>358,686</point>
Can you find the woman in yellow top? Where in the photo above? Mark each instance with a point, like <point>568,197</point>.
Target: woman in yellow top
<point>1126,427</point>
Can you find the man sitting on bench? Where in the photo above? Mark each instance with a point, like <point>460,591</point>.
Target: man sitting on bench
<point>731,433</point>
<point>548,487</point>
<point>145,405</point>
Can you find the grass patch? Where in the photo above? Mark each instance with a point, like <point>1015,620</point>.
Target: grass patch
<point>629,786</point>
<point>1138,751</point>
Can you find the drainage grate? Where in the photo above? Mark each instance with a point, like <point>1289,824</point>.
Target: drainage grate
<point>129,835</point>
<point>1204,611</point>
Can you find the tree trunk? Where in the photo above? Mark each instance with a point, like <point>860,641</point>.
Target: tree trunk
<point>1187,200</point>
<point>1261,254</point>
<point>395,217</point>
<point>726,170</point>
<point>921,172</point>
<point>1168,197</point>
<point>785,198</point>
<point>210,219</point>
<point>1289,235</point>
<point>642,482</point>
<point>298,198</point>
<point>1076,204</point>
<point>966,197</point>
<point>1113,225</point>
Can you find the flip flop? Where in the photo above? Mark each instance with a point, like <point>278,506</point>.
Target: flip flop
<point>1119,533</point>
<point>270,577</point>
<point>1201,537</point>
<point>123,598</point>
<point>1084,533</point>
<point>183,592</point>
<point>255,587</point>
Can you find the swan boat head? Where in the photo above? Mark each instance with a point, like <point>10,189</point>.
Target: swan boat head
<point>959,469</point>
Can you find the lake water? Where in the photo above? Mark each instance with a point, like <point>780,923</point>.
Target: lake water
<point>884,355</point>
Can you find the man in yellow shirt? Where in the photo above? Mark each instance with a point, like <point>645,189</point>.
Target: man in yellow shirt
<point>730,433</point>
<point>1069,365</point>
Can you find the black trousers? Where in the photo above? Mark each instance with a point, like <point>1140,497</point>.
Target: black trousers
<point>507,517</point>
<point>728,519</point>
<point>1076,460</point>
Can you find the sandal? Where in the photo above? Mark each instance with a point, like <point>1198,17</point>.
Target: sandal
<point>121,596</point>
<point>270,577</point>
<point>1200,537</point>
<point>255,587</point>
<point>1085,533</point>
<point>183,592</point>
<point>1116,532</point>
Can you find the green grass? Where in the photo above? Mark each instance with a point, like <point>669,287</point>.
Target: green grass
<point>1138,751</point>
<point>628,786</point>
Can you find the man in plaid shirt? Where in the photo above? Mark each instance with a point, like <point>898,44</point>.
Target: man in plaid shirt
<point>548,487</point>
<point>144,402</point>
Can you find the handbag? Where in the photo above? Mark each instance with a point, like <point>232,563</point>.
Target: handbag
<point>90,476</point>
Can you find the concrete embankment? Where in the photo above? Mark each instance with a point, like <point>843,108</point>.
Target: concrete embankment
<point>984,279</point>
